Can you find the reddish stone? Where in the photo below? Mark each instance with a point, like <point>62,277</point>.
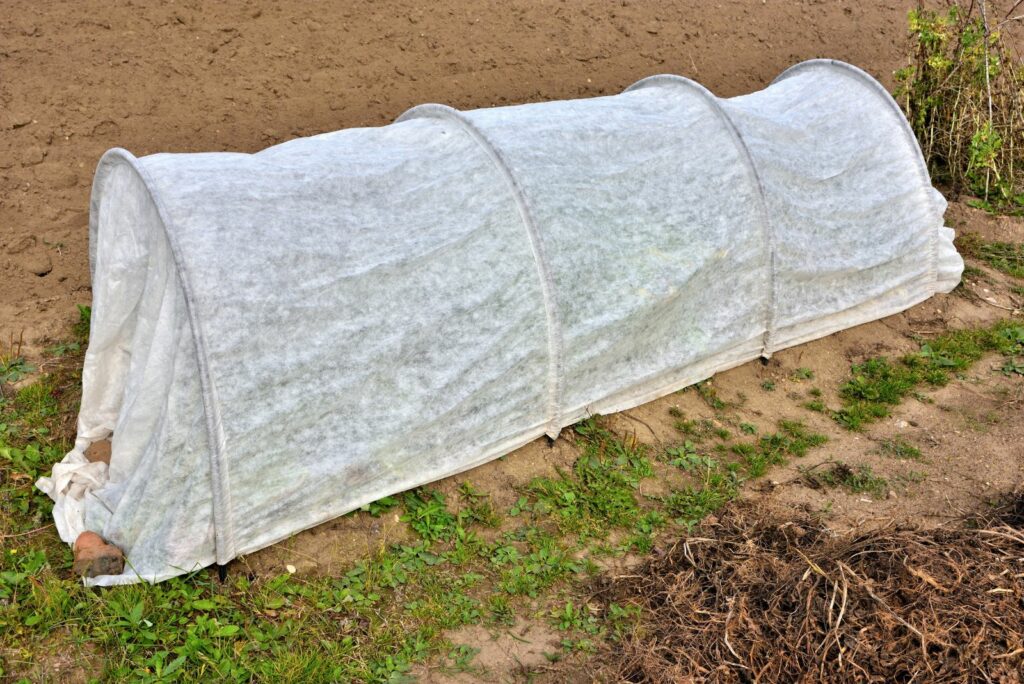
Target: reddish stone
<point>94,557</point>
<point>88,540</point>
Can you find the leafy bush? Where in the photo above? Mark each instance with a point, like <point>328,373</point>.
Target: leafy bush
<point>964,96</point>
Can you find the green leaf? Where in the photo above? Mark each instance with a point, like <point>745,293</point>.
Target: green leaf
<point>226,631</point>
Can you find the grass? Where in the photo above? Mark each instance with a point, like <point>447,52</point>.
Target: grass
<point>710,396</point>
<point>878,384</point>
<point>600,493</point>
<point>388,611</point>
<point>816,405</point>
<point>1007,257</point>
<point>802,374</point>
<point>900,448</point>
<point>696,430</point>
<point>693,503</point>
<point>13,366</point>
<point>792,439</point>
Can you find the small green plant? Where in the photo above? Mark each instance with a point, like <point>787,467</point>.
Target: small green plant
<point>879,383</point>
<point>748,428</point>
<point>63,349</point>
<point>696,430</point>
<point>13,366</point>
<point>501,611</point>
<point>1013,367</point>
<point>1007,257</point>
<point>428,515</point>
<point>600,492</point>
<point>768,386</point>
<point>546,563</point>
<point>460,658</point>
<point>686,456</point>
<point>380,506</point>
<point>693,503</point>
<point>802,374</point>
<point>855,480</point>
<point>572,617</point>
<point>81,327</point>
<point>478,507</point>
<point>14,370</point>
<point>792,439</point>
<point>815,405</point>
<point>900,448</point>
<point>709,395</point>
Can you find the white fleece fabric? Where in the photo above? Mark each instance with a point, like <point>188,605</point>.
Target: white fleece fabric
<point>279,338</point>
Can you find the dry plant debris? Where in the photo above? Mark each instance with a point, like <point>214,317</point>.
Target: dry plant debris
<point>753,597</point>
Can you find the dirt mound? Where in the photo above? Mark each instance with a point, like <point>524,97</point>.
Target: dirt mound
<point>758,597</point>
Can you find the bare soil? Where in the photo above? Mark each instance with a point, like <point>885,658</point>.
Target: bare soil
<point>240,75</point>
<point>78,78</point>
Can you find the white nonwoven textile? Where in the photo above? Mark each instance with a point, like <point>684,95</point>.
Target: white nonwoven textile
<point>282,337</point>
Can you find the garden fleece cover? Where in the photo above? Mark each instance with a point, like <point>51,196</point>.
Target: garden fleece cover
<point>282,337</point>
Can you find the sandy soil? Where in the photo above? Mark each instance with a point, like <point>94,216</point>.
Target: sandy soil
<point>79,78</point>
<point>240,75</point>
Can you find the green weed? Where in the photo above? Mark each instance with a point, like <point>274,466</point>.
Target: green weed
<point>855,480</point>
<point>696,430</point>
<point>599,494</point>
<point>687,457</point>
<point>428,514</point>
<point>792,439</point>
<point>715,487</point>
<point>900,448</point>
<point>963,96</point>
<point>1007,257</point>
<point>709,395</point>
<point>879,383</point>
<point>816,405</point>
<point>802,374</point>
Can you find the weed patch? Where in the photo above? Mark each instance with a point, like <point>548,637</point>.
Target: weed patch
<point>1007,257</point>
<point>878,384</point>
<point>855,480</point>
<point>696,430</point>
<point>900,448</point>
<point>792,439</point>
<point>600,493</point>
<point>964,97</point>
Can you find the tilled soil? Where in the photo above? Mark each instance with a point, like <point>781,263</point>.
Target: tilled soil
<point>240,75</point>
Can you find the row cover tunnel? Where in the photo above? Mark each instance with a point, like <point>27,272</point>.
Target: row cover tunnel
<point>279,338</point>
